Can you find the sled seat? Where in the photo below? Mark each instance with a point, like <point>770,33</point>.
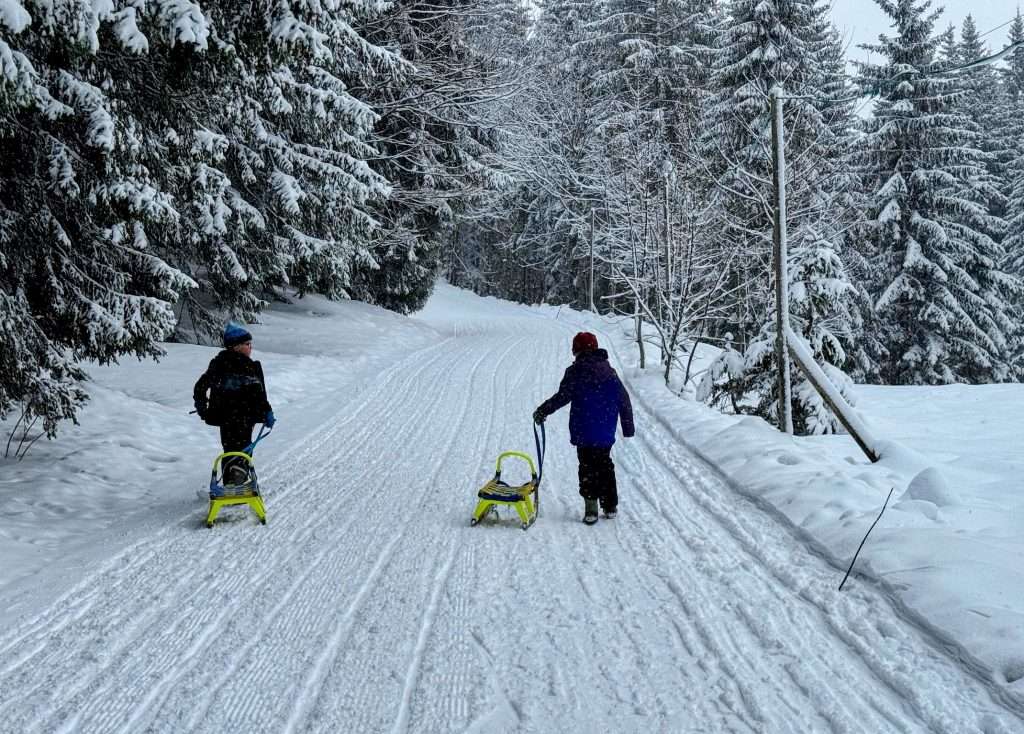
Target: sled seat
<point>498,491</point>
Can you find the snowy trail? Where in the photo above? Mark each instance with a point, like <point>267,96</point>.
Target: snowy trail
<point>369,605</point>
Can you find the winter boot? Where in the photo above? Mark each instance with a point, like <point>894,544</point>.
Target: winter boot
<point>590,511</point>
<point>610,512</point>
<point>235,475</point>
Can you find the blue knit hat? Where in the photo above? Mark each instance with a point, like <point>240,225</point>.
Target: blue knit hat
<point>235,335</point>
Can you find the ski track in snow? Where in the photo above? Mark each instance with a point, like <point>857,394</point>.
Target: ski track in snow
<point>368,604</point>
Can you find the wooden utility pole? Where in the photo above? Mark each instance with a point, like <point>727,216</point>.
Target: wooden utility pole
<point>781,259</point>
<point>592,309</point>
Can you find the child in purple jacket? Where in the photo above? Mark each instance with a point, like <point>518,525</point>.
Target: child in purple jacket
<point>599,401</point>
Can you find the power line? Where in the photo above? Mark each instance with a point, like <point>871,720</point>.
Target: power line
<point>982,61</point>
<point>997,27</point>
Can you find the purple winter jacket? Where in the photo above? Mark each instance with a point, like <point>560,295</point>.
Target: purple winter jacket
<point>598,400</point>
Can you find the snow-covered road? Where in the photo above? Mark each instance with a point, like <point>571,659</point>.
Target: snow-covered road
<point>368,604</point>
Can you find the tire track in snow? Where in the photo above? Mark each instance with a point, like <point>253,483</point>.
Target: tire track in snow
<point>109,626</point>
<point>137,559</point>
<point>317,687</point>
<point>228,586</point>
<point>377,504</point>
<point>446,707</point>
<point>696,593</point>
<point>314,680</point>
<point>423,535</point>
<point>226,583</point>
<point>728,646</point>
<point>429,616</point>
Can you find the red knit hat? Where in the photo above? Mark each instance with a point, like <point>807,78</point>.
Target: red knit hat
<point>583,342</point>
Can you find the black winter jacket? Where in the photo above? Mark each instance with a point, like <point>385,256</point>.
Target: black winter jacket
<point>237,391</point>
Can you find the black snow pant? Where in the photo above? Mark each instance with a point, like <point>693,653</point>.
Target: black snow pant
<point>597,475</point>
<point>235,436</point>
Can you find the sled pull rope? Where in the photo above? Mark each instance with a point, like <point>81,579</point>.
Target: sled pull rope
<point>264,432</point>
<point>540,441</point>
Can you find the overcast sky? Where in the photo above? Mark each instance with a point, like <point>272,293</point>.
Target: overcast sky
<point>862,20</point>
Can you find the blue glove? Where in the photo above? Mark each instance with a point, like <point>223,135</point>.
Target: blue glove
<point>270,420</point>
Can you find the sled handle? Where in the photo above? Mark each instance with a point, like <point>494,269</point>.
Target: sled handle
<point>242,454</point>
<point>519,455</point>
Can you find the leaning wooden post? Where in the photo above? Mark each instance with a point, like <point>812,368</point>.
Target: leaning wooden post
<point>831,395</point>
<point>781,270</point>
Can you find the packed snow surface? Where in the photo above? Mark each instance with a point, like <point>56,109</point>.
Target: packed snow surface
<point>368,604</point>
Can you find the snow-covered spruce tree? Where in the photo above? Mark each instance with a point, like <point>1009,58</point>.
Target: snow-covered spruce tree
<point>286,198</point>
<point>941,298</point>
<point>1010,129</point>
<point>764,44</point>
<point>79,277</point>
<point>983,103</point>
<point>1013,71</point>
<point>487,224</point>
<point>949,50</point>
<point>793,44</point>
<point>437,136</point>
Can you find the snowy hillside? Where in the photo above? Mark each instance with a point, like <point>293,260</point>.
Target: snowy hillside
<point>369,604</point>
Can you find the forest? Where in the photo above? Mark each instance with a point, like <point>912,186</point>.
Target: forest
<point>168,164</point>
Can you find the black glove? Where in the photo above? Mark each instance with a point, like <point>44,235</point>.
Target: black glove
<point>538,416</point>
<point>201,409</point>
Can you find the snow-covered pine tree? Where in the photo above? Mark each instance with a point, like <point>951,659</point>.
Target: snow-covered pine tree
<point>949,49</point>
<point>792,44</point>
<point>650,87</point>
<point>79,277</point>
<point>983,103</point>
<point>288,198</point>
<point>941,297</point>
<point>1013,71</point>
<point>1010,129</point>
<point>789,43</point>
<point>487,225</point>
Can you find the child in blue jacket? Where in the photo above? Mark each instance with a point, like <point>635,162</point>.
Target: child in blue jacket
<point>599,400</point>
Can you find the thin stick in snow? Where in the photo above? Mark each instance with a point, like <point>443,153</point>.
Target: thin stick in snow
<point>886,504</point>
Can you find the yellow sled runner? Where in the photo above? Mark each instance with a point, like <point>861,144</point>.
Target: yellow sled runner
<point>525,498</point>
